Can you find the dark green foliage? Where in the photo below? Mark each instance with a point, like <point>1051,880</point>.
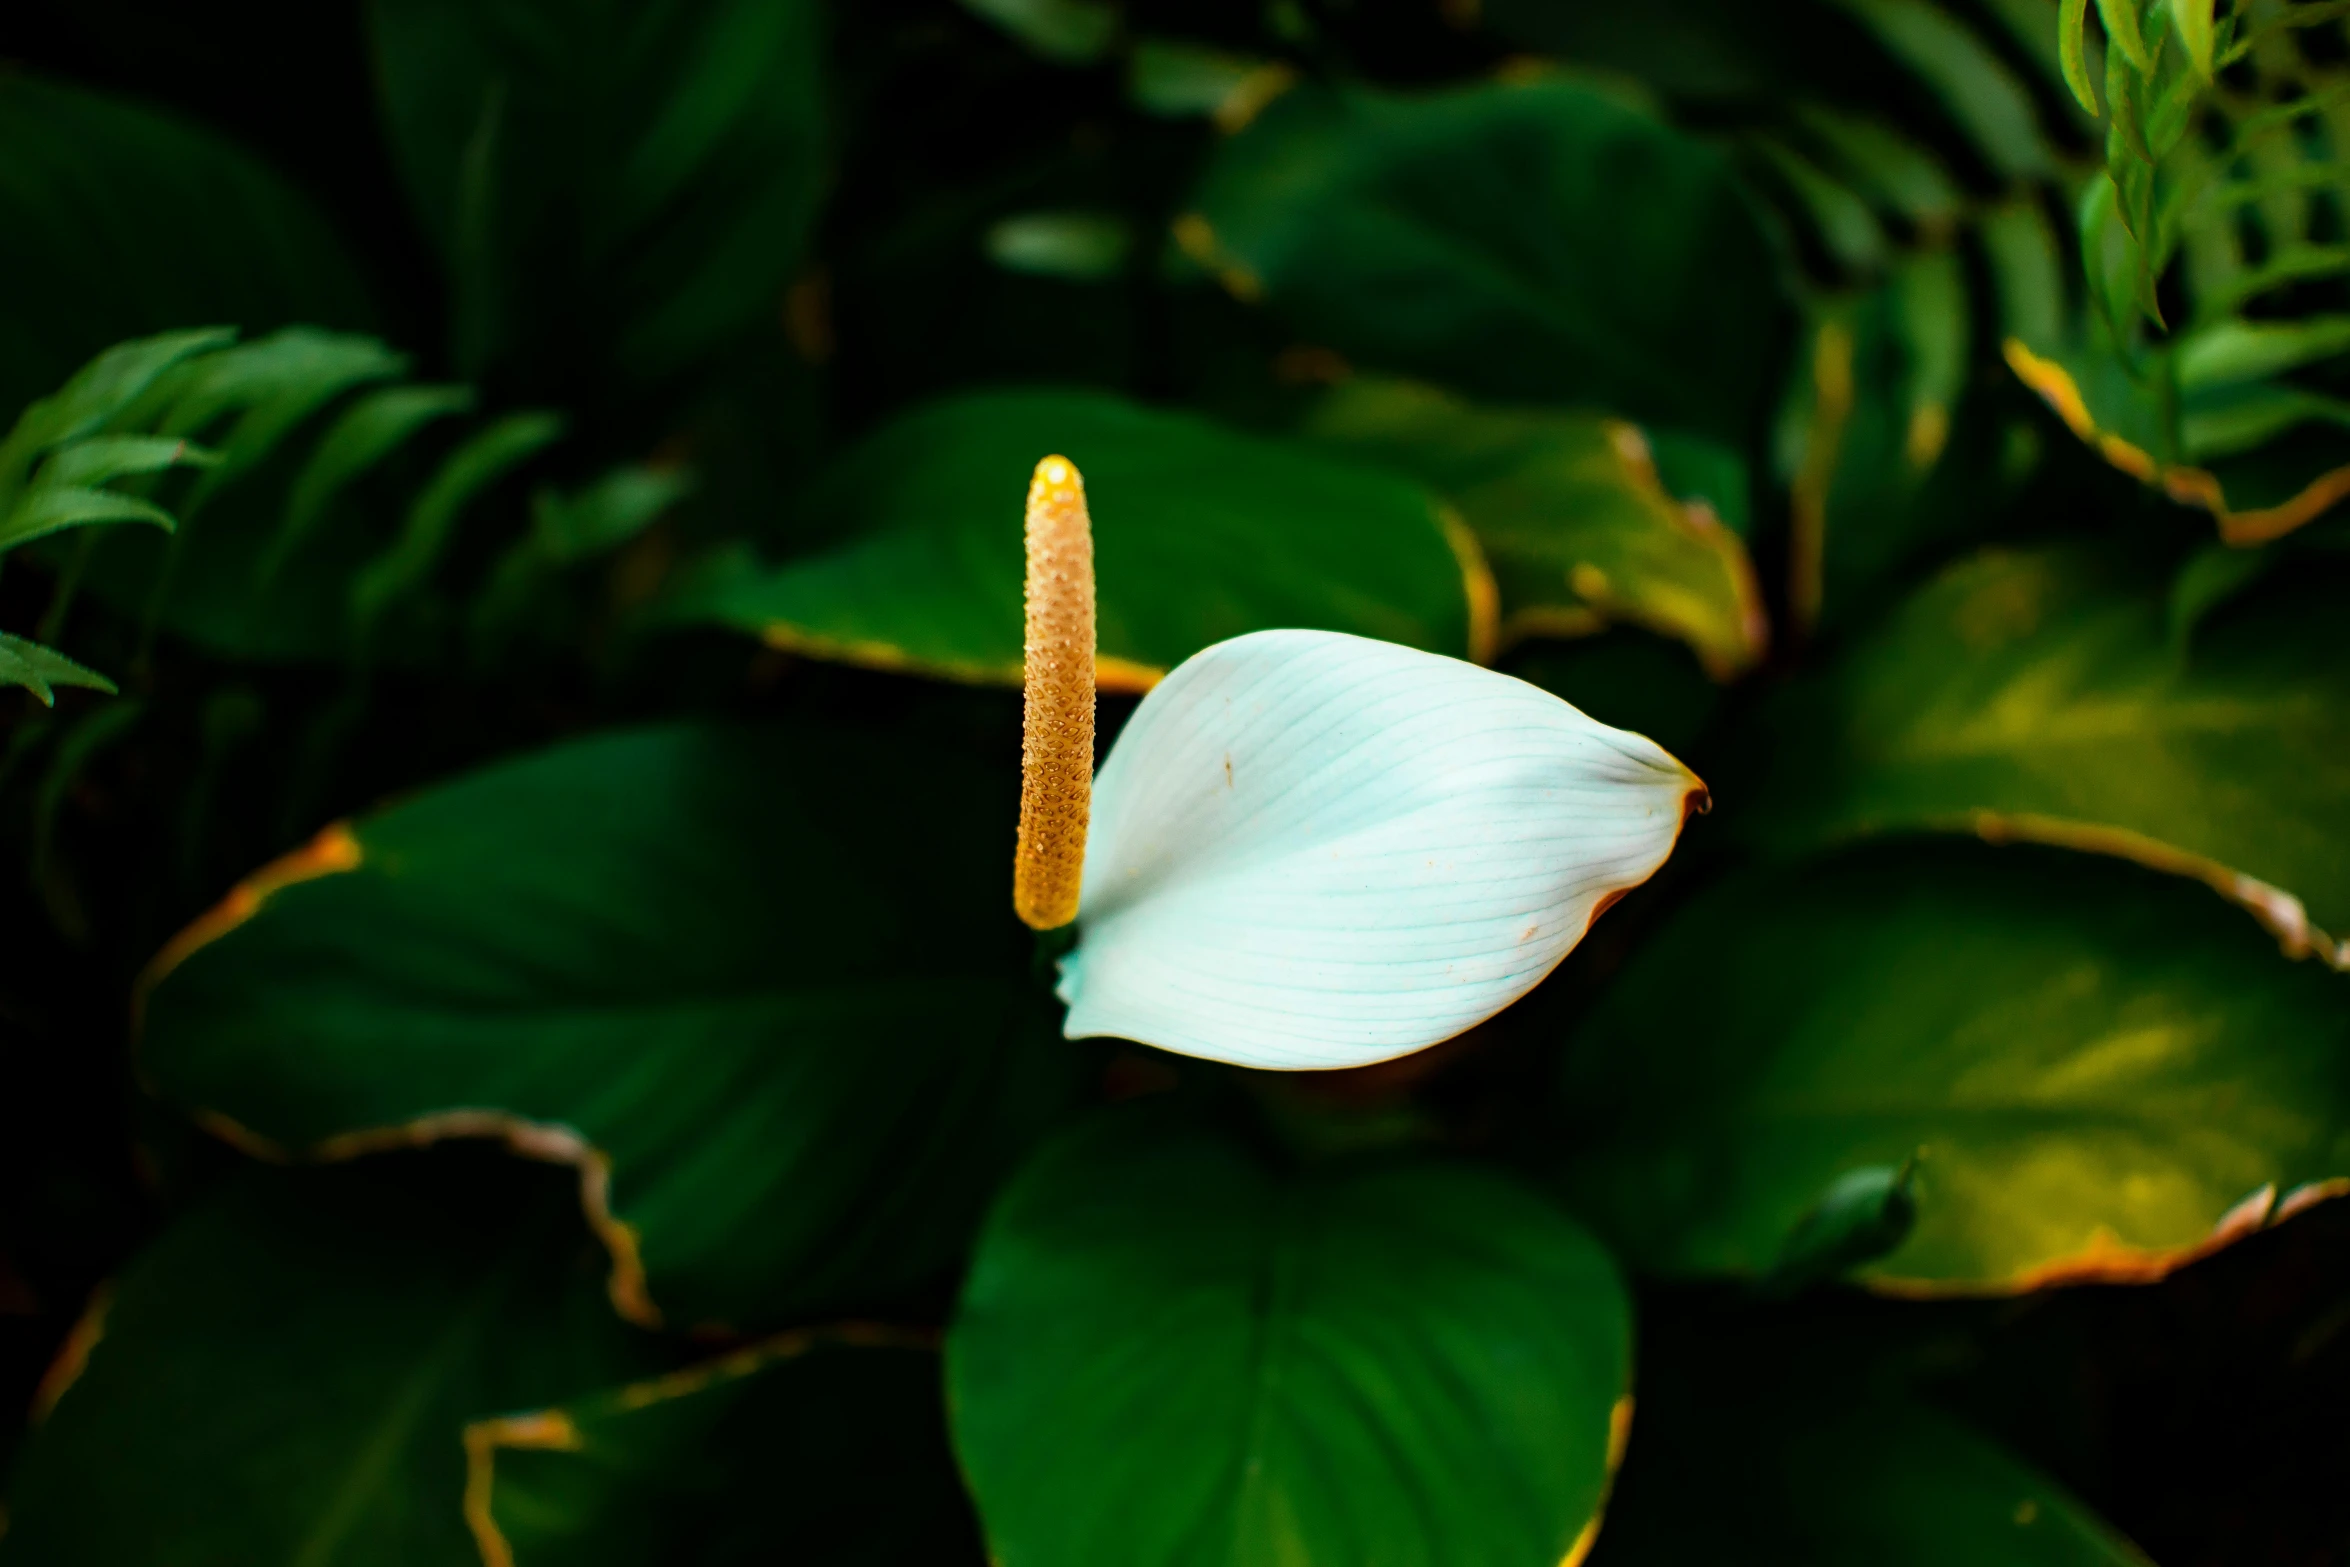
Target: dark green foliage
<point>1418,1360</point>
<point>824,1447</point>
<point>541,480</point>
<point>748,967</point>
<point>288,1374</point>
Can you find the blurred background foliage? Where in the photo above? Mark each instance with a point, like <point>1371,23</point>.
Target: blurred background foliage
<point>539,478</point>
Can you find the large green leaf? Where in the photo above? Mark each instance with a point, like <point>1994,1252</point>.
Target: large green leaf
<point>2093,1065</point>
<point>2038,695</point>
<point>1171,1351</point>
<point>763,987</point>
<point>1200,534</point>
<point>614,188</point>
<point>2214,424</point>
<point>1769,1448</point>
<point>286,1374</point>
<point>1570,512</point>
<point>123,221</point>
<point>803,1448</point>
<point>1483,238</point>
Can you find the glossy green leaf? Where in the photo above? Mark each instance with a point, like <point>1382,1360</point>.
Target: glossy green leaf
<point>1570,513</point>
<point>1768,1451</point>
<point>38,669</point>
<point>1200,534</point>
<point>819,1446</point>
<point>1864,1214</point>
<point>2039,695</point>
<point>2209,428</point>
<point>124,221</point>
<point>2093,1066</point>
<point>1479,238</point>
<point>762,987</point>
<point>1171,1351</point>
<point>613,188</point>
<point>285,1375</point>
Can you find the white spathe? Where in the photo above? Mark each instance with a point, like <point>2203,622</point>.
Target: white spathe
<point>1314,850</point>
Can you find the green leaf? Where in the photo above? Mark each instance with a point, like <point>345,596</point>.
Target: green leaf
<point>2094,1067</point>
<point>1081,247</point>
<point>762,988</point>
<point>2231,350</point>
<point>606,514</point>
<point>2036,696</point>
<point>1569,510</point>
<point>285,1374</point>
<point>2121,26</point>
<point>1972,83</point>
<point>1478,238</point>
<point>2072,23</point>
<point>485,457</point>
<point>38,668</point>
<point>1863,1214</point>
<point>1896,460</point>
<point>272,385</point>
<point>53,508</point>
<point>616,191</point>
<point>124,221</point>
<point>1893,169</point>
<point>1173,78</point>
<point>1200,534</point>
<point>815,1446</point>
<point>1074,32</point>
<point>2194,20</point>
<point>98,391</point>
<point>104,457</point>
<point>1171,1351</point>
<point>1767,1447</point>
<point>367,432</point>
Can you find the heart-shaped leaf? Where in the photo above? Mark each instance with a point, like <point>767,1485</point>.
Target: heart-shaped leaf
<point>762,987</point>
<point>2038,696</point>
<point>2099,1072</point>
<point>1481,238</point>
<point>1171,1351</point>
<point>1570,512</point>
<point>1200,534</point>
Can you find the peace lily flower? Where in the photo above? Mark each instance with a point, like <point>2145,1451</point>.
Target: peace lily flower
<point>1307,849</point>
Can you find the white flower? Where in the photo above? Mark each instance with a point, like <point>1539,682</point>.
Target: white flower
<point>1313,850</point>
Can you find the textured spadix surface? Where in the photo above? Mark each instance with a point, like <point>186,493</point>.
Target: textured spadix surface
<point>1316,850</point>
